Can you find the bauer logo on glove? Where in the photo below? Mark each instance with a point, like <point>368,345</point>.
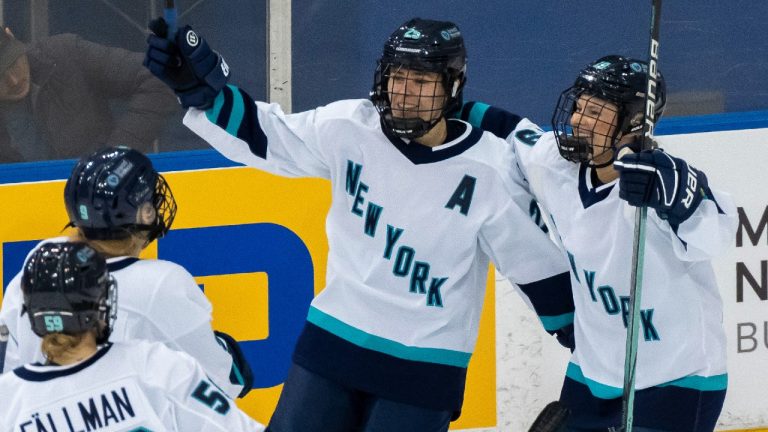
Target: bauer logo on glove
<point>192,39</point>
<point>665,183</point>
<point>194,71</point>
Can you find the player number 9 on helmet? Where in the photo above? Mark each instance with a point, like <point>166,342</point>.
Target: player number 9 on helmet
<point>115,192</point>
<point>420,76</point>
<point>606,102</point>
<point>67,289</point>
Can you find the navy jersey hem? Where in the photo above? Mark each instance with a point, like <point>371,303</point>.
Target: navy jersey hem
<point>423,384</point>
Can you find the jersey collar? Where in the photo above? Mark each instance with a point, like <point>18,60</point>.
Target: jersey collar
<point>589,193</point>
<point>421,154</point>
<point>119,263</point>
<point>40,372</point>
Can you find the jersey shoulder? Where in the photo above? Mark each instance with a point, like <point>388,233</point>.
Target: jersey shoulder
<point>537,146</point>
<point>154,286</point>
<point>155,364</point>
<point>347,109</point>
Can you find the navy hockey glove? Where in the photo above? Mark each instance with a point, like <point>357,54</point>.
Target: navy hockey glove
<point>667,184</point>
<point>241,372</point>
<point>187,65</point>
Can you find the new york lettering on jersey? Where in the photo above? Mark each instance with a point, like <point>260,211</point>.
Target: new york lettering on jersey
<point>405,262</point>
<point>613,304</point>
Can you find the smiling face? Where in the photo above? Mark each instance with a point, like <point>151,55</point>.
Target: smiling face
<point>595,120</point>
<point>416,94</point>
<point>15,82</point>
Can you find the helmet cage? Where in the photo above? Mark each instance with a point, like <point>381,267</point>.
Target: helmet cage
<point>596,127</point>
<point>414,119</point>
<point>415,48</point>
<point>165,211</point>
<point>615,79</point>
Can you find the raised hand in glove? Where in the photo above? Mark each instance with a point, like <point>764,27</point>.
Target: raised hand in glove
<point>187,65</point>
<point>667,184</point>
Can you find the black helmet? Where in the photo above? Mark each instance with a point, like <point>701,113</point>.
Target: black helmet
<point>423,46</point>
<point>616,79</point>
<point>106,190</point>
<point>67,289</point>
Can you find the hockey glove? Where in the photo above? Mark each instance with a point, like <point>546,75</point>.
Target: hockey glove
<point>187,65</point>
<point>241,373</point>
<point>667,184</point>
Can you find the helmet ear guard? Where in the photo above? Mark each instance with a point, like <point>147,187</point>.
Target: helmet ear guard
<point>457,85</point>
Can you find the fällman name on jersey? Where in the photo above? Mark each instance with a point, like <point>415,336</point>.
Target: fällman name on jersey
<point>105,411</point>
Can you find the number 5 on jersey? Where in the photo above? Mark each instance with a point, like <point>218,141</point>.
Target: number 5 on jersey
<point>213,399</point>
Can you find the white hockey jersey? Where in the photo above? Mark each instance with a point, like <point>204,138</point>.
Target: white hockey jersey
<point>411,232</point>
<point>682,341</point>
<point>157,301</point>
<point>138,386</point>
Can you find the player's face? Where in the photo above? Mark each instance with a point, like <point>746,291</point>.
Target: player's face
<point>595,120</point>
<point>15,81</point>
<point>416,94</point>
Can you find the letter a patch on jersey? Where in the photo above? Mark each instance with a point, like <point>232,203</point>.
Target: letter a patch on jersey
<point>462,196</point>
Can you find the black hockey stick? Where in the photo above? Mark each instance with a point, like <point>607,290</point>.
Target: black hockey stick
<point>551,419</point>
<point>638,248</point>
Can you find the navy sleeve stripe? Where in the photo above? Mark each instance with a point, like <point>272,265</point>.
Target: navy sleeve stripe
<point>235,111</point>
<point>554,323</point>
<point>499,122</point>
<point>551,297</point>
<point>466,108</point>
<point>250,130</point>
<point>222,119</point>
<point>494,120</point>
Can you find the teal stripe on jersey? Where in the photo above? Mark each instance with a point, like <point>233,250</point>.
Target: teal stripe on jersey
<point>552,323</point>
<point>696,382</point>
<point>598,390</point>
<point>386,346</point>
<point>236,116</point>
<point>212,113</point>
<point>477,113</point>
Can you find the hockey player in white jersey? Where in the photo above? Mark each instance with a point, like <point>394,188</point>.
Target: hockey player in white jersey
<point>119,204</point>
<point>420,207</point>
<point>590,198</point>
<point>87,383</point>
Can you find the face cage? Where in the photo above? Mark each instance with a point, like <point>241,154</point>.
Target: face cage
<point>165,207</point>
<point>418,108</point>
<point>576,144</point>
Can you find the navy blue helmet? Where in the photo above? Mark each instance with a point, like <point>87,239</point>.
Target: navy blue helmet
<point>67,289</point>
<point>420,45</point>
<point>107,189</point>
<point>622,82</point>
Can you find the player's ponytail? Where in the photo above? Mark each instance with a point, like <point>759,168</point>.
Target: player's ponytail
<point>54,345</point>
<point>129,246</point>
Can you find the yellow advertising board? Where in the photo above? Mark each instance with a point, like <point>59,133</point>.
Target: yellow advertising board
<point>256,245</point>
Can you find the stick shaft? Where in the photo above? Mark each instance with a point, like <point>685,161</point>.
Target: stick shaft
<point>170,15</point>
<point>638,246</point>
